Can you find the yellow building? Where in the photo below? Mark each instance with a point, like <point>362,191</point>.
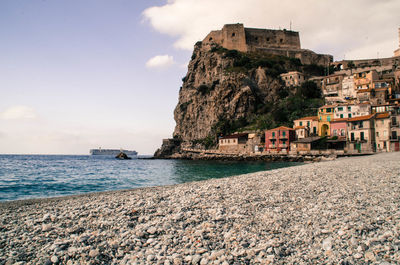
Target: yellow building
<point>364,80</point>
<point>325,116</point>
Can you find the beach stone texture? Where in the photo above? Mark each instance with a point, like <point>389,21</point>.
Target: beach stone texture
<point>345,211</point>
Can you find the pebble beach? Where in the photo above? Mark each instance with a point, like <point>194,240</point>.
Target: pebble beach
<point>345,211</point>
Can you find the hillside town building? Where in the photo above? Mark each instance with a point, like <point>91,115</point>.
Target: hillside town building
<point>362,104</point>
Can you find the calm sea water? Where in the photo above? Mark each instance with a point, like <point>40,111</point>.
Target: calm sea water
<point>39,176</point>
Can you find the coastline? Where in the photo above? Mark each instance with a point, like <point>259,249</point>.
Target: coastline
<point>346,210</point>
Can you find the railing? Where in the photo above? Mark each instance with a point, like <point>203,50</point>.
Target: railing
<point>394,139</point>
<point>394,124</point>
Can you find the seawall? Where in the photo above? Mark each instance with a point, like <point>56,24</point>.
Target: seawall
<point>345,211</point>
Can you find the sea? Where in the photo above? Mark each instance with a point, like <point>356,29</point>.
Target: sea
<point>41,176</point>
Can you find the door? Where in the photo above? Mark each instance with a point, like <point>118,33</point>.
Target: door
<point>397,146</point>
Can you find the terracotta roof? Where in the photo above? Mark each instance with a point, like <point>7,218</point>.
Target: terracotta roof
<point>238,135</point>
<point>281,128</point>
<point>340,120</point>
<point>383,115</point>
<point>314,118</point>
<point>299,127</point>
<point>362,118</point>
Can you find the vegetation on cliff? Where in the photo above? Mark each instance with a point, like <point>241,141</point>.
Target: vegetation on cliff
<point>227,91</point>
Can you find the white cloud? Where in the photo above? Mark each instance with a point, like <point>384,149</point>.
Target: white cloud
<point>18,112</point>
<point>355,28</point>
<point>160,62</point>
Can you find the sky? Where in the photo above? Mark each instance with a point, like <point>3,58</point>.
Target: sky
<point>83,74</point>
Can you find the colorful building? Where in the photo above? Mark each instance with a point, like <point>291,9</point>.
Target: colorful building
<point>339,128</point>
<point>361,133</point>
<point>325,116</point>
<point>395,128</point>
<point>382,129</point>
<point>306,126</point>
<point>278,139</point>
<point>364,80</point>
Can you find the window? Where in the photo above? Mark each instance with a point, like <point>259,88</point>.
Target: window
<point>308,124</point>
<point>329,110</point>
<point>273,134</point>
<point>284,143</point>
<point>335,132</point>
<point>281,40</point>
<point>352,136</point>
<point>349,115</point>
<point>301,123</point>
<point>377,134</point>
<point>342,132</point>
<point>340,108</point>
<point>341,116</point>
<point>314,130</point>
<point>233,34</point>
<point>362,136</point>
<point>329,118</point>
<point>283,133</point>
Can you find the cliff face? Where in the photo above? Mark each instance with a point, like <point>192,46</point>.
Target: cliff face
<point>213,90</point>
<point>226,90</point>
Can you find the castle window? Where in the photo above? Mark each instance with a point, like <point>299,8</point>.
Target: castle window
<point>233,34</point>
<point>267,39</point>
<point>210,39</point>
<point>281,40</point>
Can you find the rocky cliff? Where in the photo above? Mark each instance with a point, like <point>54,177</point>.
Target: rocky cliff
<point>225,90</point>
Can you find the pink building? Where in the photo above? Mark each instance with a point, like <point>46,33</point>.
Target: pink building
<point>339,128</point>
<point>279,138</point>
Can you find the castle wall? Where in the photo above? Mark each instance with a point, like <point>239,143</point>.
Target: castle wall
<point>279,42</point>
<point>266,38</point>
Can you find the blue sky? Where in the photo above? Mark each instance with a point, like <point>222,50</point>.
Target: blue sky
<point>76,75</point>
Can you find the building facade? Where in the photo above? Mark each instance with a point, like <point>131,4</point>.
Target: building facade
<point>293,79</point>
<point>382,129</point>
<point>361,134</point>
<point>279,139</point>
<point>325,116</point>
<point>235,143</point>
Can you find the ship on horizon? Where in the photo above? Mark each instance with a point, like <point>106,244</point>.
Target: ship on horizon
<point>112,152</point>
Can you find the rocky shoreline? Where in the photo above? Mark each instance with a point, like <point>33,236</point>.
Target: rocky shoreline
<point>345,211</point>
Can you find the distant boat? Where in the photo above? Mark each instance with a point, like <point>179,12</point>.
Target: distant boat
<point>112,152</point>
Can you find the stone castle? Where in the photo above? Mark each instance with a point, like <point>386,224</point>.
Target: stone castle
<point>279,42</point>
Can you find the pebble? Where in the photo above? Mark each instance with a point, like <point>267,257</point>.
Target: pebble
<point>333,212</point>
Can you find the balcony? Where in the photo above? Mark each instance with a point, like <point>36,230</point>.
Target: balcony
<point>282,146</point>
<point>394,139</point>
<point>394,124</point>
<point>272,146</point>
<point>283,136</point>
